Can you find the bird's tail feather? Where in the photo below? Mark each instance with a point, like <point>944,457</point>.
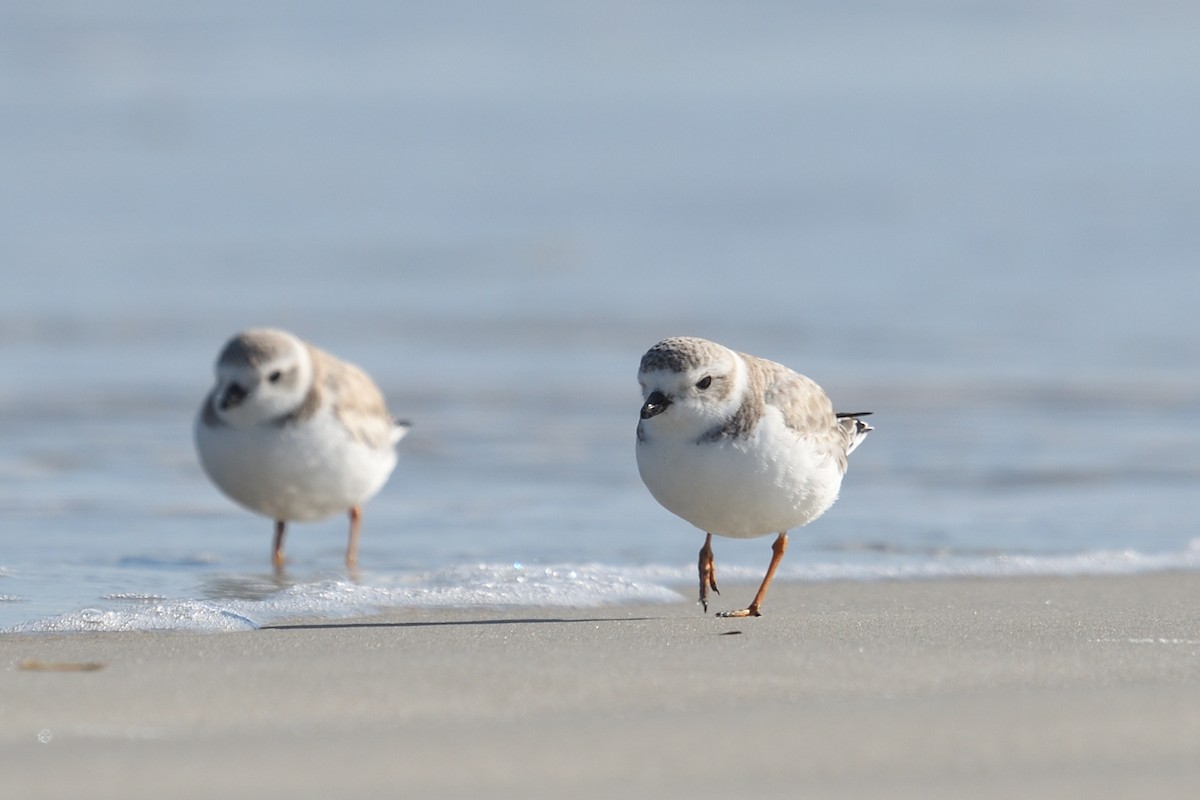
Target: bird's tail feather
<point>855,428</point>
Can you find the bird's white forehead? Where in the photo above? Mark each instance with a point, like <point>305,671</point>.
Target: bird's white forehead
<point>253,348</point>
<point>682,354</point>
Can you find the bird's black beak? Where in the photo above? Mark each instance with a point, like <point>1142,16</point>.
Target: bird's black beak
<point>233,396</point>
<point>655,404</point>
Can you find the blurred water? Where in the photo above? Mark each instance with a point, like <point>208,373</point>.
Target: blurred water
<point>977,219</point>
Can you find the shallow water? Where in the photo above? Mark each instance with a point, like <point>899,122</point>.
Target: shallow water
<point>977,221</point>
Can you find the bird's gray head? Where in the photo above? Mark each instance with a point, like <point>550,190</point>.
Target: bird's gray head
<point>689,385</point>
<point>263,374</point>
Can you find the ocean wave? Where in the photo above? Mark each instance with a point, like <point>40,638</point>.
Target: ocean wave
<point>951,565</point>
<point>482,585</point>
<point>577,586</point>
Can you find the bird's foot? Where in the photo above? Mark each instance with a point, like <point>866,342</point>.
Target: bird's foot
<point>744,612</point>
<point>705,585</point>
<point>708,573</point>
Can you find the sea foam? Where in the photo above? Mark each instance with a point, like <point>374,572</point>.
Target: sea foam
<point>584,586</point>
<point>577,586</point>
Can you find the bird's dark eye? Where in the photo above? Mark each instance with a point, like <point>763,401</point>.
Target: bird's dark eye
<point>704,382</point>
<point>275,376</point>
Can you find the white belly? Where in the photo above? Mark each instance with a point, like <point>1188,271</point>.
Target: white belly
<point>296,472</point>
<point>770,483</point>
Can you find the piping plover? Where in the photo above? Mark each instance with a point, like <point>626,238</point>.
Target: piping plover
<point>292,432</point>
<point>738,446</point>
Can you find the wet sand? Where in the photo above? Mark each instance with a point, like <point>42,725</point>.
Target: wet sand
<point>1031,687</point>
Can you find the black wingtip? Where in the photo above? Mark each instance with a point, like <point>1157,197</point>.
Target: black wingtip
<point>848,414</point>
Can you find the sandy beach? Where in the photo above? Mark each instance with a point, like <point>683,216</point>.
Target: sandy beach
<point>1032,687</point>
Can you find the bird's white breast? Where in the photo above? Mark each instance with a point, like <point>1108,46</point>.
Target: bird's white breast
<point>302,470</point>
<point>769,482</point>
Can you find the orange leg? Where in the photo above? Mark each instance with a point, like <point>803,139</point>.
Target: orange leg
<point>708,572</point>
<point>777,551</point>
<point>352,546</point>
<point>277,549</point>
